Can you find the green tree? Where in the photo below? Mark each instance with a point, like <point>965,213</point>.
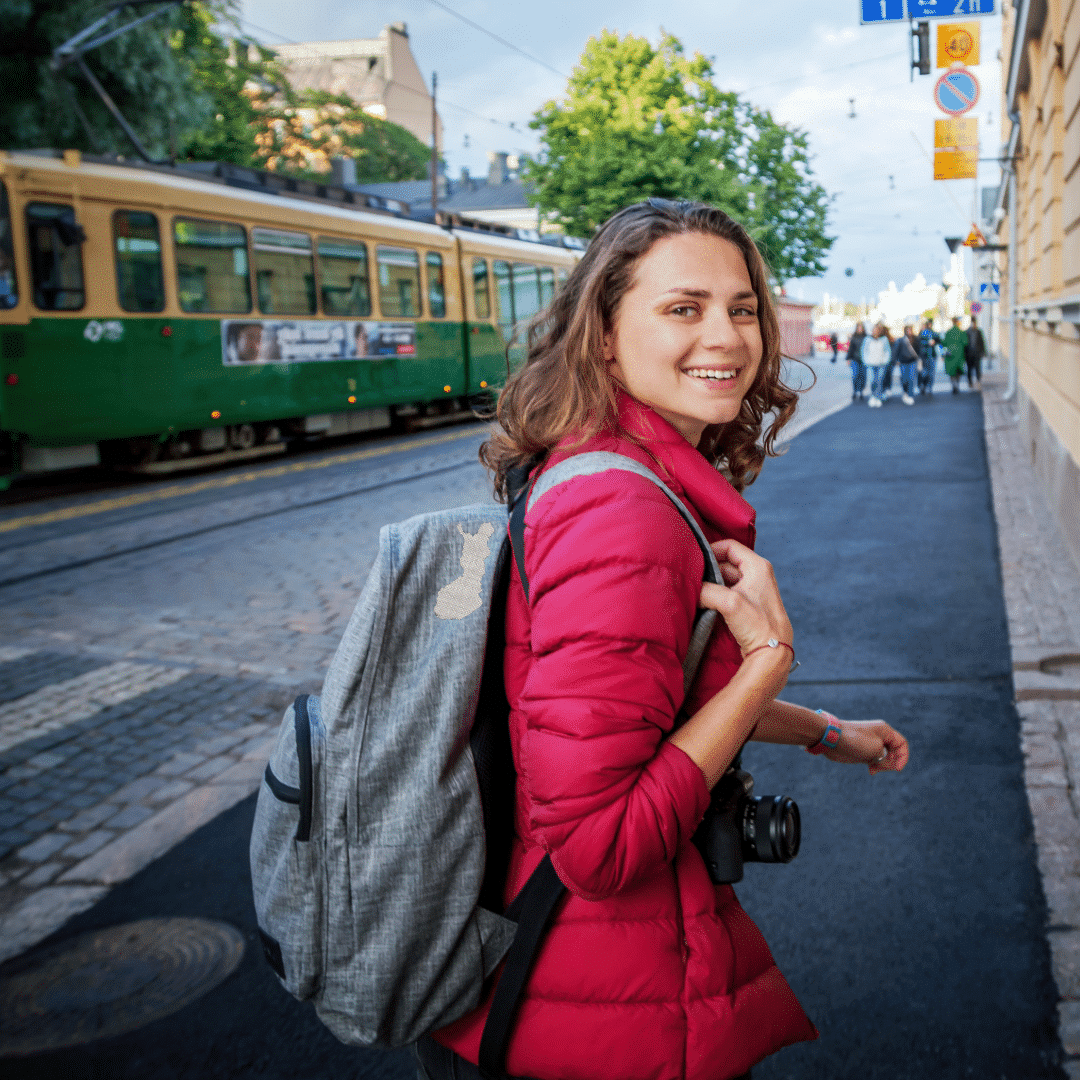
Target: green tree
<point>193,88</point>
<point>156,86</point>
<point>640,121</point>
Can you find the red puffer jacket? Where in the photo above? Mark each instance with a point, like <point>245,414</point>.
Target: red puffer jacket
<point>649,971</point>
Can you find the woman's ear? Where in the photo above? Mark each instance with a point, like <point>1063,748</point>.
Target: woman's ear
<point>609,347</point>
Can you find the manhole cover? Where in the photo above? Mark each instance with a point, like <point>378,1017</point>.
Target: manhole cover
<point>108,982</point>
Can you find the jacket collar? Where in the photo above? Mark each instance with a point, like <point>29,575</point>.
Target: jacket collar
<point>720,509</point>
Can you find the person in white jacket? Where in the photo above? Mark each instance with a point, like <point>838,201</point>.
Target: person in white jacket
<point>876,354</point>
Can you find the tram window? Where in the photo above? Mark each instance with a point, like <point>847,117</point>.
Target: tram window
<point>343,273</point>
<point>504,298</point>
<point>55,256</point>
<point>284,272</point>
<point>211,266</point>
<point>526,292</point>
<point>481,296</point>
<point>139,280</point>
<point>436,290</point>
<point>547,285</point>
<point>9,288</point>
<point>399,281</point>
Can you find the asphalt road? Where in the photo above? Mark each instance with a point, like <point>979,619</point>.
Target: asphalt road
<point>912,923</point>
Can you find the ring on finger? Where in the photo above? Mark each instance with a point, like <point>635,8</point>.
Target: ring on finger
<point>884,755</point>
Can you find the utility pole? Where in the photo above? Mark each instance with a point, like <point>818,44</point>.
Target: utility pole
<point>434,145</point>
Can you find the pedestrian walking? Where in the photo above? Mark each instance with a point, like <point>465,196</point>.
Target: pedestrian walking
<point>955,350</point>
<point>834,342</point>
<point>973,355</point>
<point>876,355</point>
<point>929,348</point>
<point>858,368</point>
<point>648,969</point>
<point>905,354</point>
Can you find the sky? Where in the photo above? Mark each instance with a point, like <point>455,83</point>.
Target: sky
<point>802,60</point>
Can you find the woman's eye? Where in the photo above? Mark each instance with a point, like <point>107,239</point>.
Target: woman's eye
<point>684,309</point>
<point>744,312</point>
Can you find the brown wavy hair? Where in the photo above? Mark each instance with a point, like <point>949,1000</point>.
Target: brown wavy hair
<point>564,387</point>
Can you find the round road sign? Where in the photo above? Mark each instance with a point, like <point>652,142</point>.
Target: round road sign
<point>957,91</point>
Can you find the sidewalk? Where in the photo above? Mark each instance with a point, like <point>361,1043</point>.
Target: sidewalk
<point>1042,598</point>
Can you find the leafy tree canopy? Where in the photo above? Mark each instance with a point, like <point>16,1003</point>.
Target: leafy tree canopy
<point>640,121</point>
<point>193,87</point>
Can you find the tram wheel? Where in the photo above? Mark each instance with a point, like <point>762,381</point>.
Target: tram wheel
<point>241,436</point>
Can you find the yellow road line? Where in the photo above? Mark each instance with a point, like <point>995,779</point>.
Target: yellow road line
<point>175,490</point>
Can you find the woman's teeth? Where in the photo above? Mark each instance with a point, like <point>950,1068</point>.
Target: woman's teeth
<point>711,373</point>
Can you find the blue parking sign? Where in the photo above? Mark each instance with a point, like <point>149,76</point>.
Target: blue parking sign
<point>877,11</point>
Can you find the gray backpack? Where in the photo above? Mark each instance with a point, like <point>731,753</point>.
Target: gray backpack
<point>383,828</point>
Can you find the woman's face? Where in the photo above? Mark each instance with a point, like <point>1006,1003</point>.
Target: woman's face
<point>686,339</point>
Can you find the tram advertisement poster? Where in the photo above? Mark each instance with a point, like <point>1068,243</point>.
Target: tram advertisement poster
<point>267,341</point>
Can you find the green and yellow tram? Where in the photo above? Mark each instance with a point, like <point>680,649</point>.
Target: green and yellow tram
<point>157,318</point>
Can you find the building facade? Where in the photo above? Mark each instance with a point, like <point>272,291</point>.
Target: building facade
<point>1039,218</point>
<point>379,74</point>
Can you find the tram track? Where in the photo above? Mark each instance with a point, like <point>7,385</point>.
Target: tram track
<point>300,504</point>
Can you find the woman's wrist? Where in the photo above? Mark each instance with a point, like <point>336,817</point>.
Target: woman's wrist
<point>830,733</point>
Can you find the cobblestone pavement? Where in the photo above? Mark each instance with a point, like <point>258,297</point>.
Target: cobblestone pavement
<point>140,688</point>
<point>149,647</point>
<point>1042,598</point>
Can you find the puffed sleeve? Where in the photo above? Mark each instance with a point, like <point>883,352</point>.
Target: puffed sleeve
<point>615,578</point>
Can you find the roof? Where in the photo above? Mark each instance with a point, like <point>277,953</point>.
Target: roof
<point>463,197</point>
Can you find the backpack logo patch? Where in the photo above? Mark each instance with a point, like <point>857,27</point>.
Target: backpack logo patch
<point>462,596</point>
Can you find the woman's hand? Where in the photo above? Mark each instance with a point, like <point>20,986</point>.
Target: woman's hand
<point>749,599</point>
<point>863,742</point>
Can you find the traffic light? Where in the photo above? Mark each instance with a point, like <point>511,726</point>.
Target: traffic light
<point>921,34</point>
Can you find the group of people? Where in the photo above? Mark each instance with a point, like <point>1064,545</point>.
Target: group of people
<point>878,354</point>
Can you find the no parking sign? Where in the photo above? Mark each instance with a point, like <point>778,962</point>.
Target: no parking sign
<point>957,91</point>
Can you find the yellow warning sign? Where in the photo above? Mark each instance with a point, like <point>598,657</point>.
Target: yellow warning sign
<point>975,238</point>
<point>956,134</point>
<point>956,164</point>
<point>957,43</point>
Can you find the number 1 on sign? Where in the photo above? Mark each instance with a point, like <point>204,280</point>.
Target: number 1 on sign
<point>883,15</point>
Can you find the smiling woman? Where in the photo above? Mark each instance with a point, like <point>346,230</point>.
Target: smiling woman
<point>662,347</point>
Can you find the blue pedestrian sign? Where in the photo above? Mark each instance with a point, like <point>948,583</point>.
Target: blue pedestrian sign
<point>879,11</point>
<point>989,290</point>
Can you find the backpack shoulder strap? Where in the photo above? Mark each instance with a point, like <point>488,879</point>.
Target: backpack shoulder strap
<point>599,461</point>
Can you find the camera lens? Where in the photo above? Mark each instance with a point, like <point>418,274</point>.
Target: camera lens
<point>771,829</point>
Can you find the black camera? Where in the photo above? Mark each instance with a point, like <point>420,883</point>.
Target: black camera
<point>742,827</point>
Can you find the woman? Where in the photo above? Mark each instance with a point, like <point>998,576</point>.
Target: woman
<point>663,346</point>
<point>929,348</point>
<point>876,354</point>
<point>905,352</point>
<point>858,368</point>
<point>955,354</point>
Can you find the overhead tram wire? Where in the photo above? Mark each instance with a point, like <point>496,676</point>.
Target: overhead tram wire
<point>500,40</point>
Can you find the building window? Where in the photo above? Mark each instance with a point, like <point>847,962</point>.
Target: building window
<point>526,292</point>
<point>399,281</point>
<point>56,256</point>
<point>140,284</point>
<point>547,285</point>
<point>435,289</point>
<point>343,275</point>
<point>284,272</point>
<point>481,296</point>
<point>504,296</point>
<point>211,266</point>
<point>9,287</point>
